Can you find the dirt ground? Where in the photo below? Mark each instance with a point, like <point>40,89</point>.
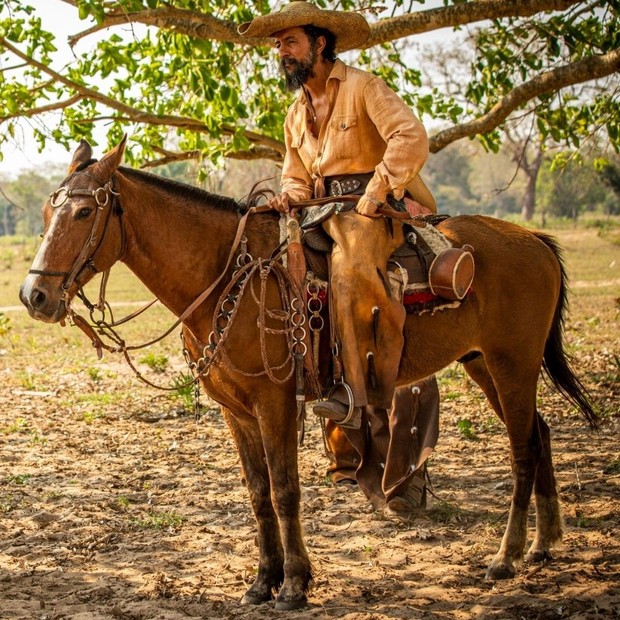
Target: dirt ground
<point>115,502</point>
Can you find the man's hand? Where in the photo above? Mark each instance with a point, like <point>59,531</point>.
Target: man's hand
<point>368,206</point>
<point>415,208</point>
<point>280,203</point>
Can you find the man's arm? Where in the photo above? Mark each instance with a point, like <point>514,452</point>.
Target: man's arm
<point>295,181</point>
<point>407,145</point>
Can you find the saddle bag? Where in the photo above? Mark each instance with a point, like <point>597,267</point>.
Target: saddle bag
<point>452,273</point>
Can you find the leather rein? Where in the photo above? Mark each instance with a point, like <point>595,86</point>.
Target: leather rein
<point>106,196</point>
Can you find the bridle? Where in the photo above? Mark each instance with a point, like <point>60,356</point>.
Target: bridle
<point>104,196</point>
<point>106,199</point>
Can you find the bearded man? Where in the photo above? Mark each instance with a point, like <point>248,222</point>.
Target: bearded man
<point>348,132</point>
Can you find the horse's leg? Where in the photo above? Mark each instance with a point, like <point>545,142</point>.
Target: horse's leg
<point>246,433</point>
<point>516,389</point>
<point>548,514</point>
<point>279,435</point>
<point>478,371</point>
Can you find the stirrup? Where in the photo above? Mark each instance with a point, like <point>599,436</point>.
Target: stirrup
<point>351,417</point>
<point>351,411</point>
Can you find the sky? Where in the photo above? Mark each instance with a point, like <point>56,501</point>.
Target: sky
<point>22,153</point>
<point>62,19</point>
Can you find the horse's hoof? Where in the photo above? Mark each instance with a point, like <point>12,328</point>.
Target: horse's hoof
<point>255,598</point>
<point>290,604</point>
<point>538,556</point>
<point>501,571</point>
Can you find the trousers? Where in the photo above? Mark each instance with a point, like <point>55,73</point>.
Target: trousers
<point>369,319</point>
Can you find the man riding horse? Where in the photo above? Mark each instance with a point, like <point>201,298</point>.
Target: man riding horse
<point>349,133</point>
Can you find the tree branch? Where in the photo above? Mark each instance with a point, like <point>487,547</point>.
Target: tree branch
<point>584,70</point>
<point>190,23</point>
<point>205,26</point>
<point>459,15</point>
<point>139,116</point>
<point>171,156</point>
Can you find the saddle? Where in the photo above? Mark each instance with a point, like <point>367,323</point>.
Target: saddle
<point>425,272</point>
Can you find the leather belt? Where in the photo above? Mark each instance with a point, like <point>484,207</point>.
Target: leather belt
<point>347,184</point>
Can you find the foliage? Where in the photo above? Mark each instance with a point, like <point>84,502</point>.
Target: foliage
<point>159,521</point>
<point>467,429</point>
<point>573,188</point>
<point>5,324</point>
<point>21,201</point>
<point>184,387</point>
<point>155,361</point>
<point>184,84</point>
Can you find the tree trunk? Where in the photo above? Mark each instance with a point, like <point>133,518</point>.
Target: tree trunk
<point>531,173</point>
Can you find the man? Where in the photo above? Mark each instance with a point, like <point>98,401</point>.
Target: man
<point>348,132</point>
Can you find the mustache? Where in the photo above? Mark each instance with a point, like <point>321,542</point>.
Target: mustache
<point>285,63</point>
<point>296,72</point>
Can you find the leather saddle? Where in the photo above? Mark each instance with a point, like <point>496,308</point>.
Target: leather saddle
<point>449,274</point>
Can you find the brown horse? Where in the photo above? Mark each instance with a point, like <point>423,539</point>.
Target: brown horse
<point>177,239</point>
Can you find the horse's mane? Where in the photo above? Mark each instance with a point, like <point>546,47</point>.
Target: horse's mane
<point>184,190</point>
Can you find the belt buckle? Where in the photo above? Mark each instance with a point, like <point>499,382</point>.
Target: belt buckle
<point>335,188</point>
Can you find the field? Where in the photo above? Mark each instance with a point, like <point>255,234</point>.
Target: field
<point>116,501</point>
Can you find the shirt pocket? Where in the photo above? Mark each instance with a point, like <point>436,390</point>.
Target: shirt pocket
<point>297,139</point>
<point>301,144</point>
<point>344,137</point>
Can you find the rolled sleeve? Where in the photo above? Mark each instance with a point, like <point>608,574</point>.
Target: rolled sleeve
<point>405,137</point>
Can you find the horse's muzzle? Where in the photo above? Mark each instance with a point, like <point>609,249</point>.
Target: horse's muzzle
<point>42,302</point>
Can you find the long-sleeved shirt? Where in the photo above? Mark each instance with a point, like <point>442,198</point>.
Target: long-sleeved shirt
<point>368,128</point>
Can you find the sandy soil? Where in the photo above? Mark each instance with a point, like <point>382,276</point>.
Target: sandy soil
<point>116,503</point>
<point>136,510</point>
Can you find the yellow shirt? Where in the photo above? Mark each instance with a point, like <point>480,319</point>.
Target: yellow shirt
<point>368,129</point>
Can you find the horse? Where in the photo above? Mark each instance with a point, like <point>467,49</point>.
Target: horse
<point>178,240</point>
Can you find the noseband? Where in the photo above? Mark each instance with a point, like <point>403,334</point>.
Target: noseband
<point>103,196</point>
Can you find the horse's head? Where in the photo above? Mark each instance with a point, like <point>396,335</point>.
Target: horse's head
<point>82,235</point>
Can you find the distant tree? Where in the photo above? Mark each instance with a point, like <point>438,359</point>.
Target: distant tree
<point>29,191</point>
<point>448,173</point>
<point>7,213</point>
<point>573,189</point>
<point>610,173</point>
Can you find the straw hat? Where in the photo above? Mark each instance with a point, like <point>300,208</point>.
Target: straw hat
<point>350,28</point>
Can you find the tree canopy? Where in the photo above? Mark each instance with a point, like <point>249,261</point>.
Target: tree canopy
<point>178,78</point>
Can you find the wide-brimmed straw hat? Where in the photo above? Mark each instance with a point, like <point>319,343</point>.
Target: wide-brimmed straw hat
<point>350,28</point>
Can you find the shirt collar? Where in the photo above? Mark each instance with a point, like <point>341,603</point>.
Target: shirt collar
<point>339,72</point>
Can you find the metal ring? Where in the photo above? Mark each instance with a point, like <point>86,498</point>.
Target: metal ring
<point>302,345</point>
<point>315,305</point>
<point>320,323</point>
<point>59,197</point>
<point>98,192</point>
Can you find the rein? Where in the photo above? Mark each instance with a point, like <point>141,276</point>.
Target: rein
<point>106,196</point>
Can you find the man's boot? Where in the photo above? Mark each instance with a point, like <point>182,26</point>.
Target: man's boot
<point>344,459</point>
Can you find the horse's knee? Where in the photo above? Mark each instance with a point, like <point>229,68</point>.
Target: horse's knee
<point>286,501</point>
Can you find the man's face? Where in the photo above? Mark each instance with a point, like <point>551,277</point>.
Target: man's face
<point>297,56</point>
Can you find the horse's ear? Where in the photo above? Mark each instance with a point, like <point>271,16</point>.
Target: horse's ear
<point>83,153</point>
<point>110,161</point>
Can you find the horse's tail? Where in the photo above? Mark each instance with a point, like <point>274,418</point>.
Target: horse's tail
<point>556,361</point>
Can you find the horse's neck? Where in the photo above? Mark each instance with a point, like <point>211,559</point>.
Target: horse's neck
<point>175,247</point>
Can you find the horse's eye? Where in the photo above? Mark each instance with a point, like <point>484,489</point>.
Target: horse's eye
<point>83,213</point>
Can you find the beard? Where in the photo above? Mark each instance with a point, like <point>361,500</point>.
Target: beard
<point>296,72</point>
